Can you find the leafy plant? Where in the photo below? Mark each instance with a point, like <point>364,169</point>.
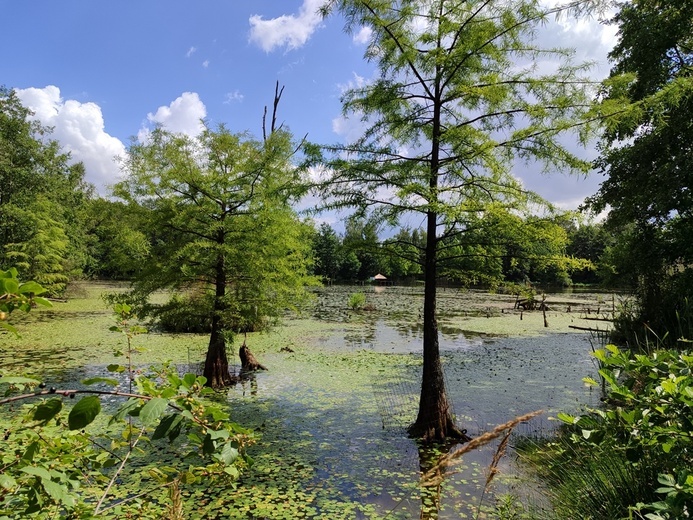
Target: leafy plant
<point>357,301</point>
<point>62,461</point>
<point>611,459</point>
<point>17,295</point>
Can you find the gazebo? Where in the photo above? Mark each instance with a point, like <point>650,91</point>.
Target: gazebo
<point>380,279</point>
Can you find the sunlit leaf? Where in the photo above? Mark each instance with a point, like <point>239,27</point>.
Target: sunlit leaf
<point>152,410</point>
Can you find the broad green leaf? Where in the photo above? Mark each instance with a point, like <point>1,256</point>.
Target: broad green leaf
<point>56,491</point>
<point>30,287</point>
<point>189,380</point>
<point>152,410</point>
<point>11,286</point>
<point>7,482</point>
<point>114,367</point>
<point>125,409</point>
<point>44,412</point>
<point>169,426</point>
<point>84,412</point>
<point>31,451</point>
<point>36,471</point>
<point>218,434</point>
<point>43,302</point>
<point>228,454</point>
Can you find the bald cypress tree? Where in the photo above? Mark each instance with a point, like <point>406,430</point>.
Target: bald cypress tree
<point>458,99</point>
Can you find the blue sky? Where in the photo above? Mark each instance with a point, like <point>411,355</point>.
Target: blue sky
<point>101,73</point>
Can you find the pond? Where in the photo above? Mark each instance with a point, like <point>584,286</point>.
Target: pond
<point>342,387</point>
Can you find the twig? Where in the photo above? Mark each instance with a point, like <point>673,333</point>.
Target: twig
<point>120,468</point>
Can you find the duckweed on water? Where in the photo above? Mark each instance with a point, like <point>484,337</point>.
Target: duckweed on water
<point>333,408</point>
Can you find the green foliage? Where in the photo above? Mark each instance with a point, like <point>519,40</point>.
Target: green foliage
<point>41,202</point>
<point>611,459</point>
<point>65,461</point>
<point>357,301</point>
<point>221,227</point>
<point>17,295</point>
<point>646,156</point>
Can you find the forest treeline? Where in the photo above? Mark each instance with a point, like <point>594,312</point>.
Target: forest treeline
<point>57,228</point>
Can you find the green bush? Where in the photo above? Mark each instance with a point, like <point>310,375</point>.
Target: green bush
<point>632,458</point>
<point>357,301</point>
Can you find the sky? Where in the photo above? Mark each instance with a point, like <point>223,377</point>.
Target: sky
<point>102,74</point>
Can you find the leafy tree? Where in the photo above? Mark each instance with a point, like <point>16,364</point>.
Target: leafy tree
<point>647,157</point>
<point>402,255</point>
<point>42,200</point>
<point>593,242</point>
<point>41,254</point>
<point>326,245</point>
<point>116,239</point>
<point>361,238</point>
<point>222,227</point>
<point>457,99</point>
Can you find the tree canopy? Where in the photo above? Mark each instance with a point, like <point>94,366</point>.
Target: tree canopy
<point>221,229</point>
<point>42,200</point>
<point>647,156</point>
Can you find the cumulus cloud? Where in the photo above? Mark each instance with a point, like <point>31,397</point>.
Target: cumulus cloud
<point>291,31</point>
<point>363,36</point>
<point>205,64</point>
<point>190,52</point>
<point>183,116</point>
<point>79,128</point>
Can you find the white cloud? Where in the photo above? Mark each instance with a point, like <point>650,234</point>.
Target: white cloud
<point>205,64</point>
<point>292,31</point>
<point>363,36</point>
<point>184,116</point>
<point>79,128</point>
<point>190,52</point>
<point>356,82</point>
<point>234,96</point>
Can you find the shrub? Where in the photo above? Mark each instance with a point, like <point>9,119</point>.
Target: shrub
<point>357,301</point>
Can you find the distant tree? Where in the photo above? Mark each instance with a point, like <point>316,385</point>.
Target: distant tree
<point>349,267</point>
<point>457,99</point>
<point>326,246</point>
<point>593,242</point>
<point>117,243</point>
<point>402,255</point>
<point>361,238</point>
<point>647,157</point>
<point>222,228</point>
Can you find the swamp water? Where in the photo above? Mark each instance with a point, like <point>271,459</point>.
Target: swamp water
<point>333,413</point>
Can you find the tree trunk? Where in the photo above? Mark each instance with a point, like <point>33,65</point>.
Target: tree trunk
<point>248,361</point>
<point>434,421</point>
<point>216,363</point>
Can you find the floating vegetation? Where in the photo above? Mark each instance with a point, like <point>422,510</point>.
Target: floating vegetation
<point>340,390</point>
